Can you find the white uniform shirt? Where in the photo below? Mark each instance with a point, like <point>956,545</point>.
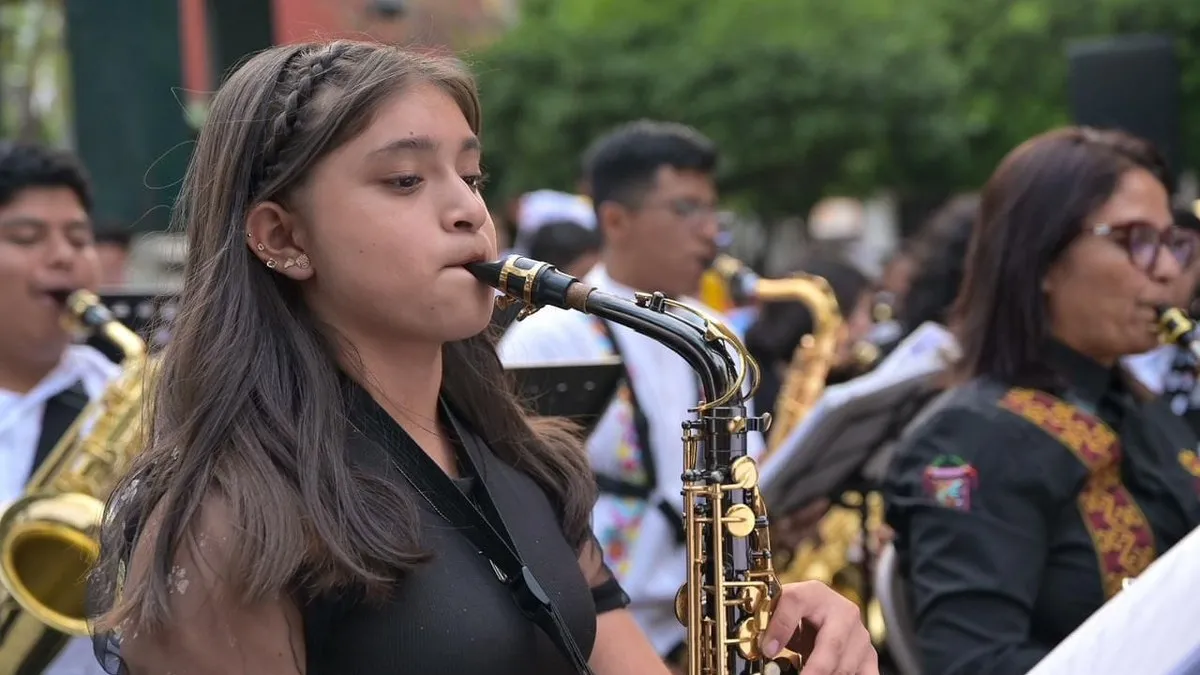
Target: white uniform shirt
<point>1153,368</point>
<point>638,540</point>
<point>20,429</point>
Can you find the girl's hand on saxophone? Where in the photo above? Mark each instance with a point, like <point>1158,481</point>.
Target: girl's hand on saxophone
<point>825,628</point>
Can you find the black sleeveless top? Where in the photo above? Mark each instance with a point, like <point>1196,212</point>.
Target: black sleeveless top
<point>452,614</point>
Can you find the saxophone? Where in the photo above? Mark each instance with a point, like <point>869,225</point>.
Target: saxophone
<point>1177,328</point>
<point>814,356</point>
<point>837,558</point>
<point>49,535</point>
<point>731,587</point>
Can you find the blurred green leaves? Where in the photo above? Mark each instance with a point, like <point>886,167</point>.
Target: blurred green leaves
<point>805,97</point>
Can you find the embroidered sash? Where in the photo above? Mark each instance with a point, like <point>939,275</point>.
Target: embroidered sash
<point>1120,532</point>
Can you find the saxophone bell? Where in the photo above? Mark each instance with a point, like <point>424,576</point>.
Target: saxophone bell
<point>49,535</point>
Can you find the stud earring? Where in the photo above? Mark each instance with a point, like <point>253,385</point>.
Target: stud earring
<point>271,264</point>
<point>289,263</point>
<point>303,262</point>
<point>260,246</point>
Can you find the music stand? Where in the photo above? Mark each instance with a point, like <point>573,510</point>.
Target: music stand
<point>580,392</point>
<point>1148,628</point>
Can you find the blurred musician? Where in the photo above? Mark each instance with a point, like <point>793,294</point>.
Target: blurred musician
<point>1044,480</point>
<point>1170,371</point>
<point>46,245</point>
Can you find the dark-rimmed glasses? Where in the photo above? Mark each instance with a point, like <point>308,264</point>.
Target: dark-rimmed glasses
<point>1143,240</point>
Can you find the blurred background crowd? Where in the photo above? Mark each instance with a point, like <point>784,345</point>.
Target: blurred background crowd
<point>841,124</point>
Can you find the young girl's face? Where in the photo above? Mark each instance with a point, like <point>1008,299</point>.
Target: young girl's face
<point>390,219</point>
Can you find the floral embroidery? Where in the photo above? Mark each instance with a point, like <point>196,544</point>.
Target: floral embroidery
<point>1191,463</point>
<point>618,536</point>
<point>1119,530</point>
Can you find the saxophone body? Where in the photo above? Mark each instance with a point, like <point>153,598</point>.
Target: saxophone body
<point>731,587</point>
<point>838,556</point>
<point>49,535</point>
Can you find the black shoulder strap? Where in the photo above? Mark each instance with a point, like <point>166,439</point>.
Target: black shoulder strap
<point>61,410</point>
<point>484,526</point>
<point>641,429</point>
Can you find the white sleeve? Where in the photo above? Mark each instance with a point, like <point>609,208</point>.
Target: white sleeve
<point>550,336</point>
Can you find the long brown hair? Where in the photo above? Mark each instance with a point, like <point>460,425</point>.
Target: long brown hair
<point>249,404</point>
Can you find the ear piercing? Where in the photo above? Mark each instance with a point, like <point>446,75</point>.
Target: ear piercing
<point>271,264</point>
<point>302,262</point>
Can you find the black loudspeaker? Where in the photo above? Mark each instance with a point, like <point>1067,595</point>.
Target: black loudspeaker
<point>1129,83</point>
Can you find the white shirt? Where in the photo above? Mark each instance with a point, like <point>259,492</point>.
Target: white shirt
<point>1152,369</point>
<point>638,540</point>
<point>20,429</point>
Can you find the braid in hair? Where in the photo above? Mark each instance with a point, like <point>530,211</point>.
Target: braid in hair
<point>300,77</point>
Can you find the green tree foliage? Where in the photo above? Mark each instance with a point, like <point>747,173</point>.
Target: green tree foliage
<point>805,97</point>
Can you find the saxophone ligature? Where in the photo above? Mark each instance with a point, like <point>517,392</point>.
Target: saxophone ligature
<point>49,535</point>
<point>731,587</point>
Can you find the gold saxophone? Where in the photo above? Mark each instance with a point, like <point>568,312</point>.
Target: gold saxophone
<point>731,587</point>
<point>49,535</point>
<point>837,556</point>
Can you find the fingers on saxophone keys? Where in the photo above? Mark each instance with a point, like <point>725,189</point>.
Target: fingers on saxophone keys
<point>841,644</point>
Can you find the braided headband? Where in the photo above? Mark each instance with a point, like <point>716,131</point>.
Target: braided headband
<point>305,81</point>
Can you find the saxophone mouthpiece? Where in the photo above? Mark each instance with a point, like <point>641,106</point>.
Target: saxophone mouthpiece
<point>532,282</point>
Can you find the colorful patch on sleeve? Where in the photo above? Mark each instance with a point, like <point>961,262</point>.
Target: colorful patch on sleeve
<point>949,481</point>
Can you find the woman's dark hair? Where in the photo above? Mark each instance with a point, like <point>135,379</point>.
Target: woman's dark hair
<point>1032,208</point>
<point>562,242</point>
<point>939,254</point>
<point>249,406</point>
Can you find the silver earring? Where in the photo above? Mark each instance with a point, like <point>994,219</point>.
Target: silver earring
<point>260,247</point>
<point>271,264</point>
<point>289,263</point>
<point>303,262</point>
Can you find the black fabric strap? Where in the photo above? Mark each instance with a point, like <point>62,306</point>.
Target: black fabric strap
<point>483,524</point>
<point>641,428</point>
<point>61,410</point>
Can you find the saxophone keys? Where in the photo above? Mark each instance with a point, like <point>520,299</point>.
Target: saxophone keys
<point>787,663</point>
<point>740,520</point>
<point>744,472</point>
<point>681,605</point>
<point>748,632</point>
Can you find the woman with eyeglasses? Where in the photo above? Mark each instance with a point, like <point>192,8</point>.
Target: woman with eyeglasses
<point>1047,477</point>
